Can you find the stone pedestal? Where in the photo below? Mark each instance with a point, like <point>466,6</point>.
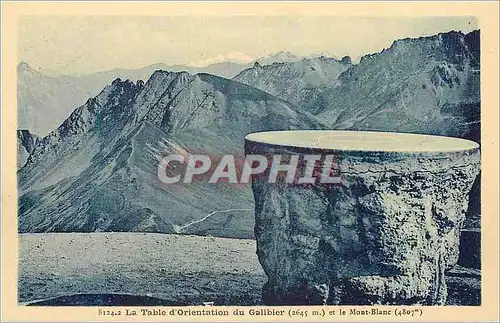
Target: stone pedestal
<point>384,235</point>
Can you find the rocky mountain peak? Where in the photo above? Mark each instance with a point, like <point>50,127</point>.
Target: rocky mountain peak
<point>432,83</point>
<point>27,139</point>
<point>294,81</point>
<point>26,143</point>
<point>23,67</point>
<point>125,85</point>
<point>346,60</point>
<point>101,117</point>
<point>450,46</point>
<point>164,76</point>
<point>159,74</point>
<point>24,70</point>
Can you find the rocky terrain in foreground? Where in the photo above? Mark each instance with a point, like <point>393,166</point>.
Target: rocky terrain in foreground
<point>159,269</point>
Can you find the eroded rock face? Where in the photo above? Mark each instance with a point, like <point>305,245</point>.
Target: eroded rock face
<point>384,235</point>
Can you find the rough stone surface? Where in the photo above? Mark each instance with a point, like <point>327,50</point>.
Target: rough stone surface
<point>385,235</point>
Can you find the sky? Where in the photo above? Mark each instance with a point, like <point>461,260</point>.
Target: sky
<point>88,44</point>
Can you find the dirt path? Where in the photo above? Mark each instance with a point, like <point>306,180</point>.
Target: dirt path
<point>179,229</point>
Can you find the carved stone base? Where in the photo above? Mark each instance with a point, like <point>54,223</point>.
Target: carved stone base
<point>384,235</point>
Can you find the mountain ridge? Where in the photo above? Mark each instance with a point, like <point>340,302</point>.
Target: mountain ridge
<point>426,76</point>
<point>294,81</point>
<point>40,94</point>
<point>97,171</point>
<point>26,143</point>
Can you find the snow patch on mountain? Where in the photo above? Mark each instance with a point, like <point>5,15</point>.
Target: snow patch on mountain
<point>279,57</point>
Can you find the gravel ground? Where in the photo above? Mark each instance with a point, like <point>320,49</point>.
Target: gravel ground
<point>179,269</point>
<point>162,269</point>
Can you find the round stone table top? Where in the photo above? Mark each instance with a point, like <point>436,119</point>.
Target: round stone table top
<point>364,141</point>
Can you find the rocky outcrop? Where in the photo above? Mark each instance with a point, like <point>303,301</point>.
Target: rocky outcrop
<point>346,60</point>
<point>26,143</point>
<point>385,235</point>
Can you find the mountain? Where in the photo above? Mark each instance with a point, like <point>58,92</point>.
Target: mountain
<point>26,143</point>
<point>98,170</point>
<point>278,57</point>
<point>295,81</point>
<point>425,85</point>
<point>223,69</point>
<point>44,102</point>
<point>322,54</point>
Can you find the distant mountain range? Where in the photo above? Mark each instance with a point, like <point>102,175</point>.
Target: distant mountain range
<point>44,101</point>
<point>279,57</point>
<point>295,81</point>
<point>97,170</point>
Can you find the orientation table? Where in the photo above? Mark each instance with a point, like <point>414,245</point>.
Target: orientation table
<point>383,230</point>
